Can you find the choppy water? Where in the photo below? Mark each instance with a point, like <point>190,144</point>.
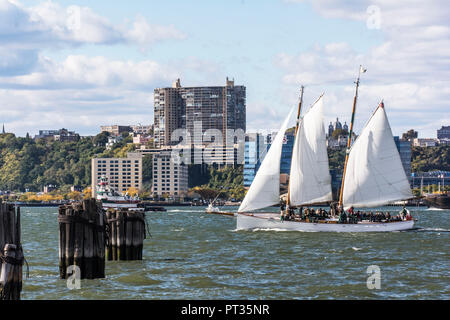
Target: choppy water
<point>193,255</point>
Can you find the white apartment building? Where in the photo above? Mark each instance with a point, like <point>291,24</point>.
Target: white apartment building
<point>169,177</point>
<point>122,173</point>
<point>427,142</point>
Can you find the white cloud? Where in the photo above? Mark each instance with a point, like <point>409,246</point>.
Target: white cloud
<point>409,69</point>
<point>145,33</point>
<point>48,24</point>
<point>80,91</point>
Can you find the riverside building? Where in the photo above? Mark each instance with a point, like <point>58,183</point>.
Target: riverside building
<point>255,151</point>
<point>256,147</point>
<point>122,173</point>
<point>169,177</point>
<point>404,149</point>
<point>222,108</point>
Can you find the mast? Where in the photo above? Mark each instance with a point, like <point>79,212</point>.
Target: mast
<point>349,142</point>
<point>296,130</point>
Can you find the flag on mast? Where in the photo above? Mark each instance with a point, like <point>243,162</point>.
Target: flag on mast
<point>362,70</point>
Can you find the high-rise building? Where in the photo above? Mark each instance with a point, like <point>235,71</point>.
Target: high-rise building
<point>123,173</point>
<point>221,107</point>
<point>404,148</point>
<point>255,151</point>
<point>286,152</point>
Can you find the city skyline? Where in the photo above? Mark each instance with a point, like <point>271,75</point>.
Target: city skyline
<point>93,64</point>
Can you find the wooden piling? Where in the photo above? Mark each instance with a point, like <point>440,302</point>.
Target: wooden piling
<point>11,252</point>
<point>127,234</point>
<point>82,239</point>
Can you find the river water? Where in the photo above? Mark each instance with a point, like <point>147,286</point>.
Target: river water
<point>193,255</point>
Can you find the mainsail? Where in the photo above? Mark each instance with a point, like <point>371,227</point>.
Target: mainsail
<point>265,189</point>
<point>310,180</point>
<point>375,175</point>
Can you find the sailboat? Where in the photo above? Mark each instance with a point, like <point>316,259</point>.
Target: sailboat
<point>373,176</point>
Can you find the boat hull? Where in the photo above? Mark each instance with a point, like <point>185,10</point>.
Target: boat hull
<point>128,206</point>
<point>439,201</point>
<point>267,221</point>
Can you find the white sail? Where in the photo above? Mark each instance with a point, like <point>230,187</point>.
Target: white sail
<point>310,180</point>
<point>265,189</point>
<point>375,175</point>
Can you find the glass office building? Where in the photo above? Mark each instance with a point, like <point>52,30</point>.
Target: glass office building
<point>255,151</point>
<point>404,148</point>
<point>256,147</point>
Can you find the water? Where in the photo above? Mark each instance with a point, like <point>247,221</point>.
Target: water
<point>193,255</point>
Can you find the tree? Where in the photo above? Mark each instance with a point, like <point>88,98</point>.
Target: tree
<point>132,191</point>
<point>74,195</point>
<point>87,193</point>
<point>101,139</point>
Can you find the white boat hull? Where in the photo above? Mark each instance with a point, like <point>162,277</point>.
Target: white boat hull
<point>121,205</point>
<point>272,222</point>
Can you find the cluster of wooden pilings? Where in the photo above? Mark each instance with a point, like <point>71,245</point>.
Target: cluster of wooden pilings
<point>88,234</point>
<point>11,252</point>
<point>82,237</point>
<point>126,234</point>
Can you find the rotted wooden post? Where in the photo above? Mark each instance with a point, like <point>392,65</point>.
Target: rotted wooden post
<point>82,239</point>
<point>11,252</point>
<point>127,234</point>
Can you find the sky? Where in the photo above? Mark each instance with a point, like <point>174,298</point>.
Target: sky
<point>82,64</point>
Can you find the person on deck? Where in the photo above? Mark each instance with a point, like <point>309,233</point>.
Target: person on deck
<point>343,217</point>
<point>403,213</point>
<point>409,216</point>
<point>332,210</point>
<point>388,217</point>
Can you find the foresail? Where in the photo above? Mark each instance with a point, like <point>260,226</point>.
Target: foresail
<point>310,180</point>
<point>375,175</point>
<point>265,189</point>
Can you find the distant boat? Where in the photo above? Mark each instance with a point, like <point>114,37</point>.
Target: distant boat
<point>440,201</point>
<point>215,210</point>
<point>212,209</point>
<point>374,176</point>
<point>111,199</point>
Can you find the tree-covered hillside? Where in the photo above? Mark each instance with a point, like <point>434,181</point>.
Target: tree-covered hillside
<point>430,159</point>
<point>29,164</point>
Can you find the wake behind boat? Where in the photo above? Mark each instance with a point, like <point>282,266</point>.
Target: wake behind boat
<point>373,176</point>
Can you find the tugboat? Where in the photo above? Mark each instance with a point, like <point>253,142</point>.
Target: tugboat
<point>112,199</point>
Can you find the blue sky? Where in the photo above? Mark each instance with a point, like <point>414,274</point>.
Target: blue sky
<point>104,72</point>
